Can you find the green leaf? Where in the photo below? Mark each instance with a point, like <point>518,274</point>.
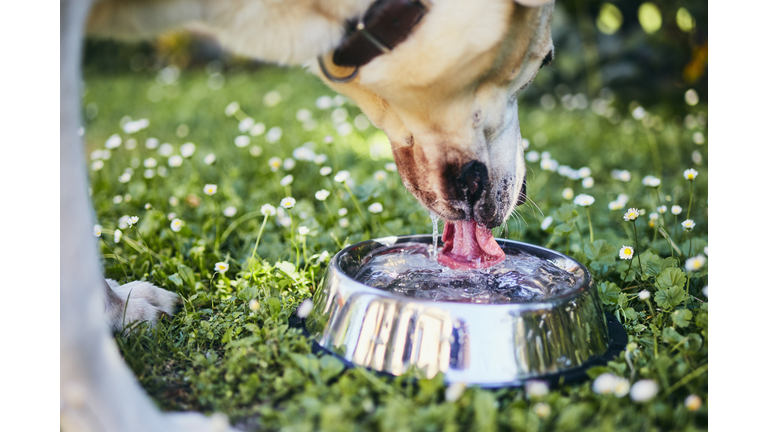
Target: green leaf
<point>274,306</point>
<point>288,268</point>
<point>601,253</point>
<point>670,297</point>
<point>681,317</point>
<point>186,274</point>
<point>609,293</point>
<point>596,371</point>
<point>670,277</point>
<point>330,367</point>
<point>562,229</point>
<point>176,279</point>
<point>567,213</point>
<point>653,264</point>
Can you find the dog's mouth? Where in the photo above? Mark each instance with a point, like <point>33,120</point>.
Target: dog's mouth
<point>469,245</point>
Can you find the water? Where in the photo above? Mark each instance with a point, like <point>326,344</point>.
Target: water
<point>410,270</point>
<point>435,219</point>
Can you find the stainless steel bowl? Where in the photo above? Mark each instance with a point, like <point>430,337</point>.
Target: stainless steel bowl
<point>490,345</point>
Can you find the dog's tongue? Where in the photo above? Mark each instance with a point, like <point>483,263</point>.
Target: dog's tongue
<point>468,245</point>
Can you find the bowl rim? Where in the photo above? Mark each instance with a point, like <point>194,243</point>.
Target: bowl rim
<point>551,303</point>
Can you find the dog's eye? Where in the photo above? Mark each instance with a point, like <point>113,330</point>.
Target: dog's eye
<point>548,59</point>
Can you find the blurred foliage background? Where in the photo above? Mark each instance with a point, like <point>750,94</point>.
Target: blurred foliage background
<point>644,52</point>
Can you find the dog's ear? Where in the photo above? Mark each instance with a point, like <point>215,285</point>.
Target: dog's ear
<point>533,3</point>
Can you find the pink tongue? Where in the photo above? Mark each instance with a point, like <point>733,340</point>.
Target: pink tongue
<point>469,246</point>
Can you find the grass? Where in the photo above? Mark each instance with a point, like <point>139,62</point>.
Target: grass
<point>217,354</point>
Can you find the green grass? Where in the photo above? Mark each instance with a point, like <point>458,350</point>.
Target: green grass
<point>215,354</point>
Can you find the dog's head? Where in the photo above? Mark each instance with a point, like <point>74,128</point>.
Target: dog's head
<point>447,99</point>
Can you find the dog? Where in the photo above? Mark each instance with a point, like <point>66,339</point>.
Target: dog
<point>439,77</point>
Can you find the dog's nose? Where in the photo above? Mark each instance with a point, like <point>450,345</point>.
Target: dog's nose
<point>473,180</point>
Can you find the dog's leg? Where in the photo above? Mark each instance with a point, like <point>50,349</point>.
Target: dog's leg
<point>98,392</point>
<point>136,301</point>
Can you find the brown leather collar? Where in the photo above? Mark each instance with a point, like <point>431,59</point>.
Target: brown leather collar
<point>385,24</point>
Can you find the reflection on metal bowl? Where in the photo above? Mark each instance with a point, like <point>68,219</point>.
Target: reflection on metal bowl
<point>490,345</point>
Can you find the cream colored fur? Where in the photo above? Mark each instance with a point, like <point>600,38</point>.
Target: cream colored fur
<point>441,91</point>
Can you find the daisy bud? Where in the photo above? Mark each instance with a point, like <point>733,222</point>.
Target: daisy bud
<point>643,390</point>
<point>693,402</point>
<point>644,295</point>
<point>304,309</point>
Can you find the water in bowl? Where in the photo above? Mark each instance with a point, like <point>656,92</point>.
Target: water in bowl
<point>410,269</point>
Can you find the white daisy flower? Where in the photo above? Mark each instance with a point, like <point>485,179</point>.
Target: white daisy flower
<point>255,151</point>
<point>152,143</point>
<point>549,164</point>
<point>166,149</point>
<point>118,235</point>
<point>391,167</point>
<point>653,216</point>
<point>690,174</point>
<point>173,201</point>
<point>113,142</point>
<point>117,199</point>
<point>641,212</point>
<point>176,224</point>
<point>272,98</point>
<point>705,291</point>
<point>542,410</point>
<point>147,206</point>
<point>304,309</point>
<point>375,208</point>
<point>149,173</point>
<point>454,392</point>
<point>275,163</point>
<point>626,252</point>
<point>324,171</point>
<point>320,159</point>
<point>585,172</point>
<point>210,158</point>
<point>643,390</point>
<point>604,384</point>
<point>532,156</point>
<point>324,256</point>
<point>245,124</point>
<point>322,195</point>
<point>625,176</point>
<point>676,209</point>
<point>688,224</point>
<point>242,141</point>
<point>187,149</point>
<point>124,177</point>
<point>268,210</point>
<point>324,102</point>
<point>303,230</point>
<point>230,211</point>
<point>304,153</point>
<point>534,389</point>
<point>343,222</point>
<point>380,176</point>
<point>621,387</point>
<point>644,295</point>
<point>150,162</point>
<point>584,200</point>
<point>171,216</point>
<point>342,176</point>
<point>706,250</point>
<point>254,305</point>
<point>175,161</point>
<point>651,181</point>
<point>284,221</point>
<point>693,402</point>
<point>285,181</point>
<point>273,135</point>
<point>661,209</point>
<point>564,170</point>
<point>258,129</point>
<point>221,267</point>
<point>546,155</point>
<point>97,165</point>
<point>231,109</point>
<point>615,205</point>
<point>623,199</point>
<point>695,263</point>
<point>210,189</point>
<point>343,211</point>
<point>631,214</point>
<point>287,203</point>
<point>123,221</point>
<point>97,230</point>
<point>546,222</point>
<point>303,115</point>
<point>288,164</point>
<point>133,220</point>
<point>568,194</point>
<point>162,171</point>
<point>588,182</point>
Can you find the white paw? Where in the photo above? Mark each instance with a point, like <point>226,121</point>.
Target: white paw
<point>137,301</point>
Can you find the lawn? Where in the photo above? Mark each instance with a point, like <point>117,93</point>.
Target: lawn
<point>229,347</point>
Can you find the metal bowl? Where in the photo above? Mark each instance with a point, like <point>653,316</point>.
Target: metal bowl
<point>490,345</point>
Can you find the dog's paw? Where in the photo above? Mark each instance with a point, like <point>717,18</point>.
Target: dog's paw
<point>138,301</point>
